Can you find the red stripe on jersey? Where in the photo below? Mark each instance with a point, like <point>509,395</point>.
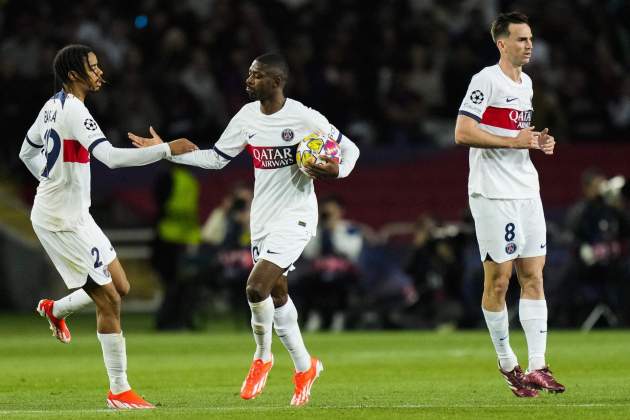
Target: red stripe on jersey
<point>508,118</point>
<point>265,157</point>
<point>73,151</point>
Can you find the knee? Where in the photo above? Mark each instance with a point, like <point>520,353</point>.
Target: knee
<point>532,284</point>
<point>111,304</point>
<point>499,286</point>
<point>256,293</point>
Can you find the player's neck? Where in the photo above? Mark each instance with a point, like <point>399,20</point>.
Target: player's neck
<point>273,104</point>
<point>75,91</point>
<point>510,70</point>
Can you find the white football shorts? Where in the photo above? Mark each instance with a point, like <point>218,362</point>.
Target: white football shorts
<point>78,253</point>
<point>509,229</point>
<point>282,247</point>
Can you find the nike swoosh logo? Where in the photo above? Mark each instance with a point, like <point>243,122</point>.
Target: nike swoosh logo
<point>543,245</point>
<point>501,339</point>
<point>543,332</point>
<point>251,135</point>
<point>272,252</point>
<point>510,99</point>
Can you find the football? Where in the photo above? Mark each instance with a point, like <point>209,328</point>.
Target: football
<point>315,145</point>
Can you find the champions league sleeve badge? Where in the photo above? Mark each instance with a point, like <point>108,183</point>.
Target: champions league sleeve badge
<point>476,97</point>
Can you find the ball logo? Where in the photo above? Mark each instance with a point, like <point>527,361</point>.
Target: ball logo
<point>510,248</point>
<point>90,124</point>
<point>287,134</point>
<point>476,97</point>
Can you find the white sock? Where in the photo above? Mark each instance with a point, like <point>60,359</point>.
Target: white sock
<point>533,315</point>
<point>499,328</point>
<point>285,323</point>
<point>262,321</point>
<point>115,357</point>
<point>71,303</point>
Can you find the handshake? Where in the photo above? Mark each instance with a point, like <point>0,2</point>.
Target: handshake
<point>178,147</point>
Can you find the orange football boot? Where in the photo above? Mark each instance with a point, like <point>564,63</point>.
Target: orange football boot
<point>127,400</point>
<point>58,326</point>
<point>304,381</point>
<point>256,379</point>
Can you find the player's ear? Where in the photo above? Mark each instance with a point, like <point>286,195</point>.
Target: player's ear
<point>73,76</point>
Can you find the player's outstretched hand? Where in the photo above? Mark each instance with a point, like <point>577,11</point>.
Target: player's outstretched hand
<point>327,170</point>
<point>546,142</point>
<point>527,139</point>
<point>144,141</point>
<point>181,146</point>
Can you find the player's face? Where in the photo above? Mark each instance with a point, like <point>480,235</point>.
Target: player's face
<point>260,83</point>
<point>518,46</point>
<point>94,73</point>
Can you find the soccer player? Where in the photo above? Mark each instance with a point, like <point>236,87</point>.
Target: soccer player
<point>57,150</point>
<point>283,213</point>
<point>494,121</point>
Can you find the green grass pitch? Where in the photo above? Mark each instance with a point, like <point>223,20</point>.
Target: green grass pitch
<point>367,375</point>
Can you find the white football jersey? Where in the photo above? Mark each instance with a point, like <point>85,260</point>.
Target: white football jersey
<point>66,133</point>
<point>502,107</point>
<point>283,195</point>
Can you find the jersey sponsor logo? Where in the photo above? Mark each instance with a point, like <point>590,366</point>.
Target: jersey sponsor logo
<point>90,124</point>
<point>477,97</point>
<point>511,119</point>
<point>510,248</point>
<point>272,157</point>
<point>73,151</point>
<point>287,134</point>
<point>510,99</point>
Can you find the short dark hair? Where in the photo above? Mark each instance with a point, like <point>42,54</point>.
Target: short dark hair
<point>70,58</point>
<point>500,26</point>
<point>277,62</point>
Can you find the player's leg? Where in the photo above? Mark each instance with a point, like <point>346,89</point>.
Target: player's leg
<point>497,235</point>
<point>285,320</point>
<point>495,285</point>
<point>108,303</point>
<point>533,316</point>
<point>261,280</point>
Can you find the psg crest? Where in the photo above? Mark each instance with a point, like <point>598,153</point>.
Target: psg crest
<point>287,134</point>
<point>510,248</point>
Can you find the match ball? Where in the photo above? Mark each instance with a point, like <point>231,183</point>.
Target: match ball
<point>315,145</point>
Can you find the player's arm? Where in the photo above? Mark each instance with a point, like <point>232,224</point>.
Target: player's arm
<point>31,155</point>
<point>229,145</point>
<point>116,157</point>
<point>468,133</point>
<point>206,159</point>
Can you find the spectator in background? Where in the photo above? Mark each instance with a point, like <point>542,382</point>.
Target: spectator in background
<point>600,233</point>
<point>333,255</point>
<point>177,233</point>
<point>226,235</point>
<point>432,264</point>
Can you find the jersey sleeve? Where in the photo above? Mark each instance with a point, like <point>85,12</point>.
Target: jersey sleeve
<point>33,135</point>
<point>477,96</point>
<point>233,139</point>
<point>230,144</point>
<point>83,127</point>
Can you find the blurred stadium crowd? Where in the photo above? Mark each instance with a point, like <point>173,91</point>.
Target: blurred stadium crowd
<point>392,74</point>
